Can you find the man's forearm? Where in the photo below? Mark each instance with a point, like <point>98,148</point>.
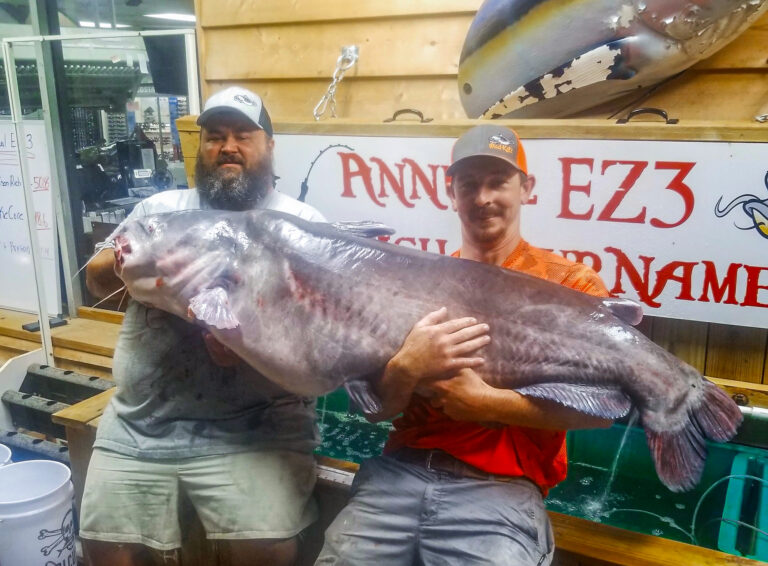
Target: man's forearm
<point>394,389</point>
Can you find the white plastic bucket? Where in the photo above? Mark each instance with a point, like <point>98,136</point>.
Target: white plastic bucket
<point>5,455</point>
<point>36,522</point>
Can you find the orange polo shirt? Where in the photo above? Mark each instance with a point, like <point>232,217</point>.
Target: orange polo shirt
<point>539,455</point>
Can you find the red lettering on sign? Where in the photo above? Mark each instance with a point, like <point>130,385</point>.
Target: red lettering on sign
<point>355,166</point>
<point>397,184</point>
<point>668,273</point>
<point>677,185</point>
<point>568,188</point>
<point>608,213</point>
<point>580,257</point>
<point>429,187</point>
<point>636,169</point>
<point>440,245</point>
<point>754,287</point>
<point>424,243</point>
<point>639,283</point>
<point>713,288</point>
<point>362,171</point>
<point>718,291</point>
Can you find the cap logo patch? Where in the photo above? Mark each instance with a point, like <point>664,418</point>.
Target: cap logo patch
<point>501,143</point>
<point>498,138</point>
<point>244,99</point>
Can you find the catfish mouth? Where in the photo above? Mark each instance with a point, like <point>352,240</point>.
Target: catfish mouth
<point>122,248</point>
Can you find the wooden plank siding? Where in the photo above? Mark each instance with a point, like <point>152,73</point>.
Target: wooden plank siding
<point>686,339</point>
<point>736,352</point>
<point>309,51</point>
<point>229,13</point>
<point>409,53</point>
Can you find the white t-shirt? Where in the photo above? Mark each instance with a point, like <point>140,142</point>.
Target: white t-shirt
<point>189,199</point>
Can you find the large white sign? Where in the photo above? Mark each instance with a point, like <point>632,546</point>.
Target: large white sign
<point>681,227</point>
<point>17,275</point>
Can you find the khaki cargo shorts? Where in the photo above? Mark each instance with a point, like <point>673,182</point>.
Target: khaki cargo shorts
<point>245,495</point>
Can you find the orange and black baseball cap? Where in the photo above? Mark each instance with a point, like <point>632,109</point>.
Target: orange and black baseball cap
<point>494,141</point>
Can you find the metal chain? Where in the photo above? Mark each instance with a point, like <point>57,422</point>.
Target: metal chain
<point>347,59</point>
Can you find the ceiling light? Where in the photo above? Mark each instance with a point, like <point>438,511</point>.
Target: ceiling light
<point>103,25</point>
<point>175,17</point>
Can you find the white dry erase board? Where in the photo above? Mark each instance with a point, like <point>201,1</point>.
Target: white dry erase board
<point>17,274</point>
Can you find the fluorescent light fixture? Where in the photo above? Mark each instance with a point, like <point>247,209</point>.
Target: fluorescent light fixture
<point>102,25</point>
<point>175,17</point>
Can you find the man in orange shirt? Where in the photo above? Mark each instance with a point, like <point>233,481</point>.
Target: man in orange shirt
<point>466,468</point>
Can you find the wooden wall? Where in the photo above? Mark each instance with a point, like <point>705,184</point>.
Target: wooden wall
<point>409,54</point>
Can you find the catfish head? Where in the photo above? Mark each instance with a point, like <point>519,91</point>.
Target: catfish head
<point>165,260</point>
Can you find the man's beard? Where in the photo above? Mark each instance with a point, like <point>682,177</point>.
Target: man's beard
<point>226,191</point>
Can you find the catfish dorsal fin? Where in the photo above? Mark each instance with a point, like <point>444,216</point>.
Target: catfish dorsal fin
<point>588,399</point>
<point>627,310</point>
<point>364,228</point>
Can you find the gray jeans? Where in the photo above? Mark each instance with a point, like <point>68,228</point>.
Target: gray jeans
<point>404,515</point>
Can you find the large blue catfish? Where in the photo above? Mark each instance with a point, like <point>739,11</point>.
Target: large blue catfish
<point>314,306</point>
<point>550,58</point>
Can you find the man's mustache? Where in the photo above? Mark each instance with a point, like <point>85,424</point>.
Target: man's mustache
<point>482,213</point>
<point>227,159</point>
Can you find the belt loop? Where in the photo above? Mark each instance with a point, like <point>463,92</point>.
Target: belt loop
<point>429,461</point>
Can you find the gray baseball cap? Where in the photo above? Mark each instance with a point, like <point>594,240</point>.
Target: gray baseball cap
<point>238,99</point>
<point>494,141</point>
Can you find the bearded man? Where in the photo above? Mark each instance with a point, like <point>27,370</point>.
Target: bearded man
<point>188,418</point>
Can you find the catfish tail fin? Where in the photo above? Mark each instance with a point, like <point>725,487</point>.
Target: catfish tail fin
<point>719,416</point>
<point>679,455</point>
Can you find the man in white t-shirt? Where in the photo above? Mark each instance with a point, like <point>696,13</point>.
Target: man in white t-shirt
<point>188,418</point>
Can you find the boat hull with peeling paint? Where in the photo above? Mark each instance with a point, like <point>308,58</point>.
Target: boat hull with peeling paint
<point>553,58</point>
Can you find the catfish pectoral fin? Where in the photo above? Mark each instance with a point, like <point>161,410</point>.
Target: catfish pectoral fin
<point>591,400</point>
<point>679,455</point>
<point>211,306</point>
<point>606,62</point>
<point>361,393</point>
